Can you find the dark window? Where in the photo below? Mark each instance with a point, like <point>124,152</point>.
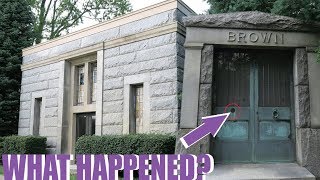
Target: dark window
<point>136,120</point>
<point>85,124</point>
<point>37,116</point>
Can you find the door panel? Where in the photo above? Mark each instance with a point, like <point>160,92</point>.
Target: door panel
<point>260,82</point>
<point>233,86</point>
<point>239,129</point>
<point>274,116</point>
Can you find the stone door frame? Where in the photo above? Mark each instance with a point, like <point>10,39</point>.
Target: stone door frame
<point>198,83</point>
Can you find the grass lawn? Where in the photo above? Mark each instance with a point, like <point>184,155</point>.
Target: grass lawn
<point>73,177</point>
<point>1,170</point>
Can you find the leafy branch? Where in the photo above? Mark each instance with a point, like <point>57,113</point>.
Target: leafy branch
<point>56,17</point>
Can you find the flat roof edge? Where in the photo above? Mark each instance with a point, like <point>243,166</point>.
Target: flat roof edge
<point>116,22</point>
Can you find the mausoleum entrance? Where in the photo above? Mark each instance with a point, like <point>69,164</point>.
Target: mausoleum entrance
<point>263,69</point>
<point>256,87</point>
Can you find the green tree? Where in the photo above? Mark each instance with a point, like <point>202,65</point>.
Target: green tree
<point>56,17</point>
<point>15,34</point>
<point>223,6</point>
<point>308,10</point>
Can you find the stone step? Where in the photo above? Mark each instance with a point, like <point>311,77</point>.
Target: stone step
<point>260,171</point>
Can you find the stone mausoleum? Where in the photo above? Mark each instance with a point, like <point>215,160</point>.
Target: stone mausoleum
<point>162,68</point>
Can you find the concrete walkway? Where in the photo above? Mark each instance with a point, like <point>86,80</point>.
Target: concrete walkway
<point>260,171</point>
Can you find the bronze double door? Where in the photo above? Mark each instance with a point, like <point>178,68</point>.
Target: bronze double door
<point>256,87</point>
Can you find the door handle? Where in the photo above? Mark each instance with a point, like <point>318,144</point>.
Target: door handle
<point>233,114</point>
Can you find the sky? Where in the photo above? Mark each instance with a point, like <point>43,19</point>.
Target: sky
<point>199,6</point>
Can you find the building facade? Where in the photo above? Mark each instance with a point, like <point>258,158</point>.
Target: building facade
<point>127,75</point>
<point>118,77</point>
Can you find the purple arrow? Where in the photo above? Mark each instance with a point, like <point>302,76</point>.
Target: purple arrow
<point>211,124</point>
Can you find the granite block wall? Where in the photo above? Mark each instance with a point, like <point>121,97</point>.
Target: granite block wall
<point>163,58</point>
<point>40,82</point>
<point>108,34</point>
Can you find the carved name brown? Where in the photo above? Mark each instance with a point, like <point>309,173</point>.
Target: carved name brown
<point>256,37</point>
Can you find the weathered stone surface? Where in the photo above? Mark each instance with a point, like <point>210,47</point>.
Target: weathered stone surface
<point>149,43</point>
<point>120,60</point>
<point>308,145</point>
<point>113,119</point>
<point>176,115</point>
<point>112,107</point>
<point>179,15</point>
<point>201,147</point>
<point>314,88</point>
<point>52,74</point>
<point>205,101</point>
<point>51,112</point>
<point>302,107</point>
<point>250,20</point>
<point>23,131</point>
<point>57,50</point>
<point>54,83</point>
<point>181,50</point>
<point>141,67</point>
<point>52,93</point>
<point>50,122</point>
<point>113,95</point>
<point>25,105</point>
<point>49,131</point>
<point>114,83</point>
<point>157,52</point>
<point>35,56</point>
<point>34,87</point>
<point>24,123</point>
<point>181,39</point>
<point>165,102</point>
<point>163,89</point>
<point>164,128</point>
<point>112,130</point>
<point>53,102</point>
<point>206,64</point>
<point>147,23</point>
<point>24,114</point>
<point>180,62</point>
<point>63,48</point>
<point>111,52</point>
<point>301,67</point>
<point>100,37</point>
<point>161,116</point>
<point>164,76</point>
<point>25,97</point>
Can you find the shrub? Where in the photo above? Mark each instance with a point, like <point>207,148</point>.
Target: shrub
<point>24,145</point>
<point>126,144</point>
<point>1,148</point>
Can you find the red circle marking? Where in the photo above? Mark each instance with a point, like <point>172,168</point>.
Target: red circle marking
<point>235,105</point>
